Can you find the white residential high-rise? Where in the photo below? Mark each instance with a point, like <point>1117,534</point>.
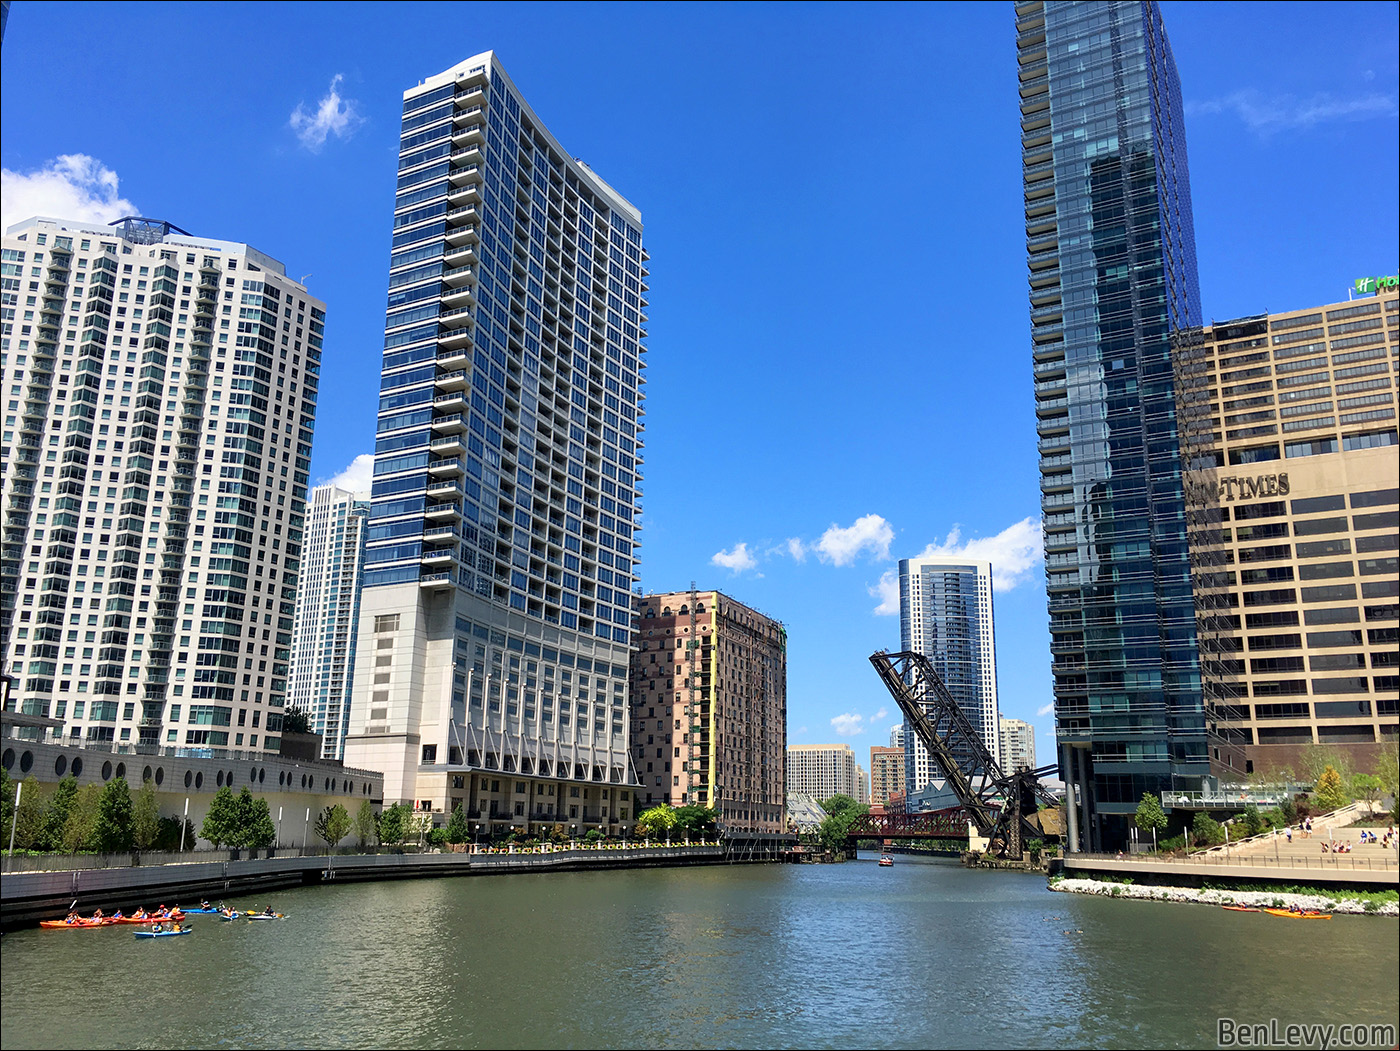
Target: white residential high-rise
<point>1017,745</point>
<point>161,397</point>
<point>897,736</point>
<point>327,613</point>
<point>823,770</point>
<point>945,613</point>
<point>496,613</point>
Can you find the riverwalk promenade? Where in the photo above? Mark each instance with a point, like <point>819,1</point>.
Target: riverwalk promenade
<point>1279,856</point>
<point>27,897</point>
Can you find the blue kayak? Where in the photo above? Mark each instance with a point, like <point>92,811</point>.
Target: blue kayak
<point>164,934</point>
<point>209,911</point>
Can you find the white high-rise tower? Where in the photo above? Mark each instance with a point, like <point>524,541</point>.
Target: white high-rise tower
<point>161,396</point>
<point>945,613</point>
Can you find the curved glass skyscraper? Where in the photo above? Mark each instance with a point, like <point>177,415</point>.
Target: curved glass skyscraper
<point>496,619</point>
<point>1112,271</point>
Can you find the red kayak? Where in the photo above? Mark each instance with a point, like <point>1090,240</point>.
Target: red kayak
<point>1239,908</point>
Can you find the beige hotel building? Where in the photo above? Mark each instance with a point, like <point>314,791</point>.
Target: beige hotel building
<point>1288,425</point>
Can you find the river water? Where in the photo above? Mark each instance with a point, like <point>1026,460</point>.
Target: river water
<point>922,955</point>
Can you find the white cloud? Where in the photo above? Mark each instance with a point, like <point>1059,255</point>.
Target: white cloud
<point>333,116</point>
<point>848,724</point>
<point>73,186</point>
<point>736,559</point>
<point>1046,709</point>
<point>358,477</point>
<point>887,591</point>
<point>1013,552</point>
<point>879,715</point>
<point>796,549</point>
<point>840,546</point>
<point>1266,114</point>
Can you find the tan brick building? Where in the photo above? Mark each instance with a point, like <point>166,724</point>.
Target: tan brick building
<point>709,708</point>
<point>1288,425</point>
<point>886,773</point>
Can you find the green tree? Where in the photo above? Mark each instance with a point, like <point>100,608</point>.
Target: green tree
<point>1367,786</point>
<point>1329,793</point>
<point>113,830</point>
<point>220,824</point>
<point>56,819</point>
<point>1314,759</point>
<point>839,804</point>
<point>1388,772</point>
<point>1150,815</point>
<point>296,721</point>
<point>1252,821</point>
<point>82,820</point>
<point>655,822</point>
<point>1206,831</point>
<point>7,806</point>
<point>29,821</point>
<point>262,831</point>
<point>695,820</point>
<point>333,824</point>
<point>457,829</point>
<point>145,816</point>
<point>365,823</point>
<point>841,812</point>
<point>391,825</point>
<point>245,817</point>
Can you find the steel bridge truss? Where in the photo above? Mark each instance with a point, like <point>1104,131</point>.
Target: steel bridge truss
<point>927,824</point>
<point>996,802</point>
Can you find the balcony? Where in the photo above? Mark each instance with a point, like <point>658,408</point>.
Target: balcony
<point>451,446</point>
<point>468,132</point>
<point>447,490</point>
<point>462,235</point>
<point>444,535</point>
<point>447,467</point>
<point>454,402</point>
<point>453,424</point>
<point>454,319</point>
<point>465,193</point>
<point>439,558</point>
<point>464,295</point>
<point>462,275</point>
<point>456,380</point>
<point>443,513</point>
<point>463,256</point>
<point>435,582</point>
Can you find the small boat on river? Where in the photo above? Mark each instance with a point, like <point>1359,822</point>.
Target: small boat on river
<point>164,934</point>
<point>886,861</point>
<point>78,924</point>
<point>1290,914</point>
<point>1239,908</point>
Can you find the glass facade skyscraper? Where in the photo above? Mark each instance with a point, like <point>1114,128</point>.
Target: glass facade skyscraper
<point>1112,273</point>
<point>496,617</point>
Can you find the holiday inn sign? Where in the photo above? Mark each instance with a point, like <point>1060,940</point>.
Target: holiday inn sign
<point>1368,286</point>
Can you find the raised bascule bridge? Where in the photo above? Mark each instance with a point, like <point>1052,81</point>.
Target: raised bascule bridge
<point>996,803</point>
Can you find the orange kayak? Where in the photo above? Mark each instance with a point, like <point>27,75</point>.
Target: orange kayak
<point>1299,915</point>
<point>1239,908</point>
<point>64,925</point>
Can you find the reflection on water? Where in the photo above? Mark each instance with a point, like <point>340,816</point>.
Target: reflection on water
<point>922,955</point>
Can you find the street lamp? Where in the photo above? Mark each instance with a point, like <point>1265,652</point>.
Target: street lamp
<point>572,836</point>
<point>477,845</point>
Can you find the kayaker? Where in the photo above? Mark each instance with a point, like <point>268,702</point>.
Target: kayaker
<point>268,911</point>
<point>97,914</point>
<point>139,914</point>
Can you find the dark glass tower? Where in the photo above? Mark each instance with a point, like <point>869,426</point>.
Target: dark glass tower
<point>1112,270</point>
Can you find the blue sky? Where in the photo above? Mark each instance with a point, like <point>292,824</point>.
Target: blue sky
<point>839,366</point>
